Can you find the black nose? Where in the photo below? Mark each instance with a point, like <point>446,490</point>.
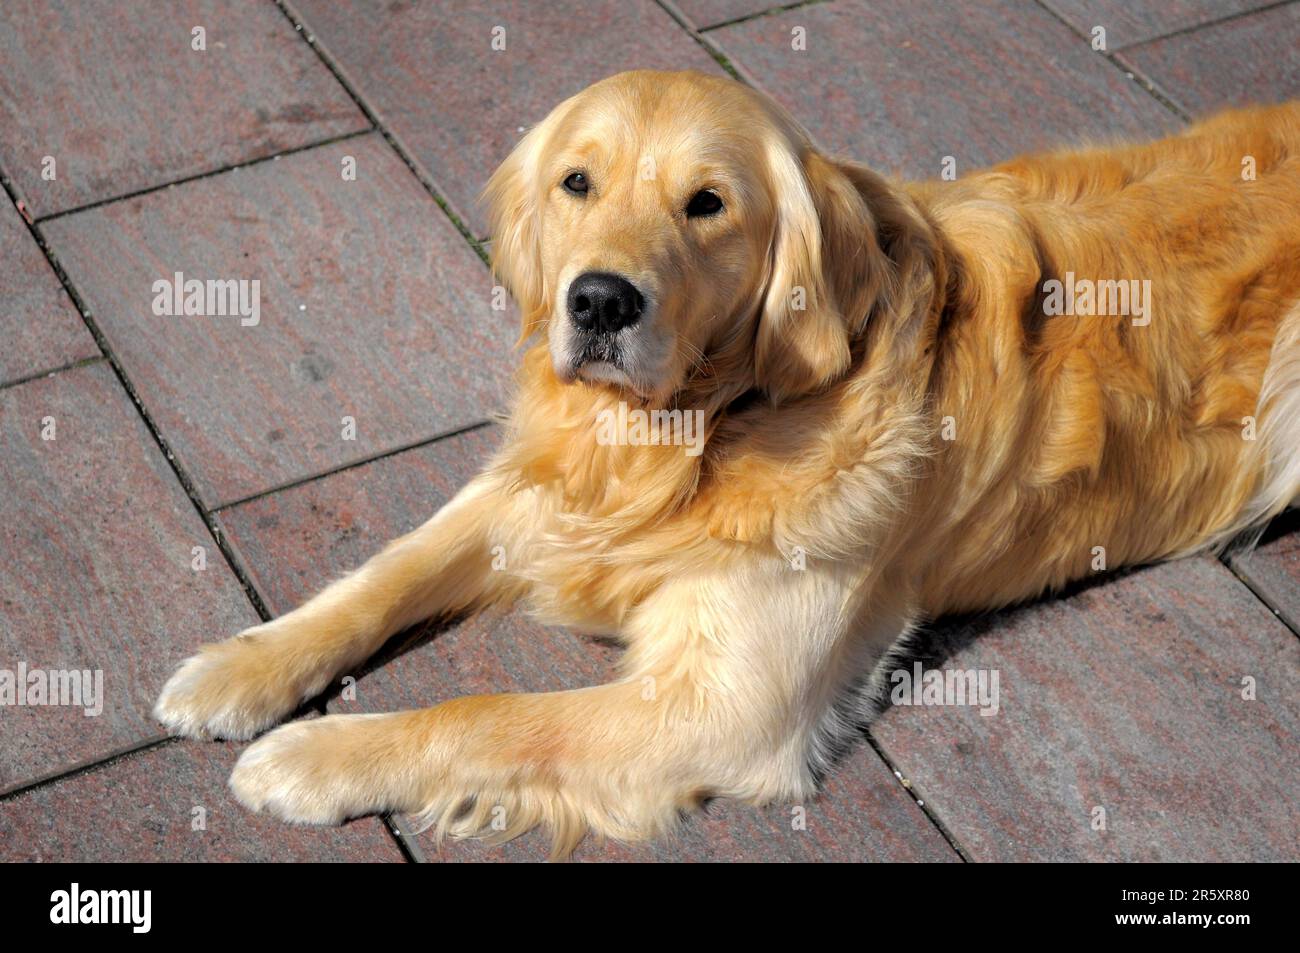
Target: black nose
<point>599,301</point>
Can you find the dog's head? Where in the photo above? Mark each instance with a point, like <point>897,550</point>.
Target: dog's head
<point>656,220</point>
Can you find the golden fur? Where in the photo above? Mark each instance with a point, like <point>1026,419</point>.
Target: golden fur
<point>896,430</point>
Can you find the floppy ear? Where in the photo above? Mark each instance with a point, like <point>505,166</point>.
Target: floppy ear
<point>514,195</point>
<point>821,282</point>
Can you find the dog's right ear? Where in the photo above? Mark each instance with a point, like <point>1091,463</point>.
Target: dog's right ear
<point>514,195</point>
<point>805,324</point>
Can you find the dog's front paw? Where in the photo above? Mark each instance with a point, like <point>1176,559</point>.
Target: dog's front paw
<point>233,689</point>
<point>488,766</point>
<point>323,771</point>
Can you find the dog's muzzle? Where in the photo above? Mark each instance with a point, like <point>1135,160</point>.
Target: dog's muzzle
<point>604,303</point>
<point>601,305</point>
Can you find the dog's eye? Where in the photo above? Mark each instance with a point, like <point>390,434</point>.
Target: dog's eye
<point>704,202</point>
<point>576,183</point>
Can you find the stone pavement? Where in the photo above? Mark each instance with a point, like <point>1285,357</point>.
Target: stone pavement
<point>128,155</point>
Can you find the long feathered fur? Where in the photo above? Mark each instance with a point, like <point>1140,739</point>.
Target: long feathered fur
<point>896,426</point>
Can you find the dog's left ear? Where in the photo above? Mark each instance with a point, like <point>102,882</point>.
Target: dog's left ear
<point>825,269</point>
<point>513,196</point>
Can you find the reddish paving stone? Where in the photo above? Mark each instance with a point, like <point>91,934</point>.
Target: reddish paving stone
<point>1128,23</point>
<point>40,330</point>
<point>113,91</point>
<point>1273,570</point>
<point>1252,59</point>
<point>457,105</point>
<point>704,14</point>
<point>142,809</point>
<point>1128,696</point>
<point>97,537</point>
<point>295,541</point>
<point>900,84</point>
<point>372,307</point>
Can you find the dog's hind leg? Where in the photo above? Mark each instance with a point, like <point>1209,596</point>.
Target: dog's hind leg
<point>236,688</point>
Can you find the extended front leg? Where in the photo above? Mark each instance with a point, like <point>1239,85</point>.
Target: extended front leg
<point>236,688</point>
<point>731,679</point>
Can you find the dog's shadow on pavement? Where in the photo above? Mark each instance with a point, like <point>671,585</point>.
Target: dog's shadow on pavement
<point>408,640</point>
<point>935,644</point>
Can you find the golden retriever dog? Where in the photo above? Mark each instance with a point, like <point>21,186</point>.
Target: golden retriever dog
<point>909,399</point>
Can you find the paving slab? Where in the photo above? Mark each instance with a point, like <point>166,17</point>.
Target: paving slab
<point>170,804</point>
<point>1250,59</point>
<point>97,573</point>
<point>1127,23</point>
<point>1273,569</point>
<point>900,84</point>
<point>294,541</point>
<point>113,91</point>
<point>372,308</point>
<point>1127,698</point>
<point>457,104</point>
<point>705,14</point>
<point>40,329</point>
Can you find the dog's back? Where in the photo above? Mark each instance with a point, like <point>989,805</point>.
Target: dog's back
<point>1127,341</point>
